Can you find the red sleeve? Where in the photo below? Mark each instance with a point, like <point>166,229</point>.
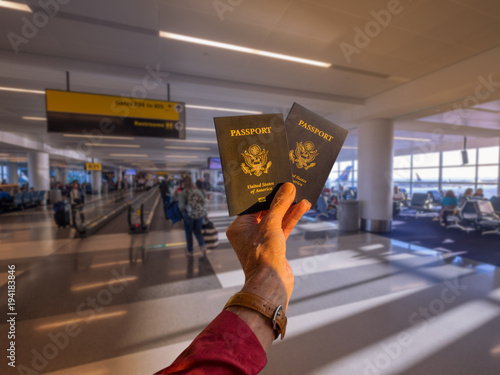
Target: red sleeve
<point>226,346</point>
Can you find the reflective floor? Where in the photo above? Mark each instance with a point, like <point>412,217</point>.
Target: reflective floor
<point>116,303</point>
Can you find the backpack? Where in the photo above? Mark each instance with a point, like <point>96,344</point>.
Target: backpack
<point>195,204</point>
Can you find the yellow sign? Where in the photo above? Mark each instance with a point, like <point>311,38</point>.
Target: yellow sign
<point>93,166</point>
<point>162,173</point>
<point>116,106</point>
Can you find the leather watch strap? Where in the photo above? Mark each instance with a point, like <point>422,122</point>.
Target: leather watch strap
<point>254,302</point>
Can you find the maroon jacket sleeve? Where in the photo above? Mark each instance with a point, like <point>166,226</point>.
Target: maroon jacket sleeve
<point>225,346</point>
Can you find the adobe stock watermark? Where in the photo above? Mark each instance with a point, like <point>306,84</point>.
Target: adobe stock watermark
<point>153,78</point>
<point>363,36</point>
<point>32,24</point>
<point>391,351</point>
<point>60,340</point>
<point>223,6</point>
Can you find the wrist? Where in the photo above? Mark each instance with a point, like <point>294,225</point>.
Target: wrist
<point>266,283</point>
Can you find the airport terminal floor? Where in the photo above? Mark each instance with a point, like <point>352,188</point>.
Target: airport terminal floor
<point>116,303</point>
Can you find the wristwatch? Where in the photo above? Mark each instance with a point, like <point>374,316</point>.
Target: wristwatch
<point>254,302</point>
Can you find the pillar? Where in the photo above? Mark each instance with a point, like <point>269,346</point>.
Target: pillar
<point>38,170</point>
<point>375,155</point>
<point>498,186</point>
<point>13,176</point>
<point>213,178</point>
<point>96,182</point>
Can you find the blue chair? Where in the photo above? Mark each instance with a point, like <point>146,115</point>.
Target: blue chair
<point>18,201</point>
<point>436,197</point>
<point>26,200</point>
<point>495,202</point>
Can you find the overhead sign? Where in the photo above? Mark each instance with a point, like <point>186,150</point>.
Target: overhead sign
<point>93,166</point>
<point>80,113</point>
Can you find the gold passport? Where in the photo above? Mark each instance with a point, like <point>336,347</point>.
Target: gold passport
<point>313,146</point>
<point>254,159</point>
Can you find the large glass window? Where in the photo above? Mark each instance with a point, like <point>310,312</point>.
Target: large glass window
<point>426,175</point>
<point>462,174</point>
<point>487,174</point>
<point>426,160</point>
<point>402,161</point>
<point>401,175</point>
<point>454,158</point>
<point>488,155</point>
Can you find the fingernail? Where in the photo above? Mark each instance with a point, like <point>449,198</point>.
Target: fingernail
<point>288,188</point>
<point>309,203</point>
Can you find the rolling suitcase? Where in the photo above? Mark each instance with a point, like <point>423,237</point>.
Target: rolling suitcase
<point>61,215</point>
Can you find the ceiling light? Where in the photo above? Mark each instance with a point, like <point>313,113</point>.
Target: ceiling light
<point>190,141</point>
<point>14,89</point>
<point>81,320</point>
<point>222,109</point>
<point>232,47</point>
<point>96,136</point>
<point>16,6</point>
<point>182,156</point>
<point>412,139</point>
<point>130,155</point>
<point>188,148</point>
<point>350,147</point>
<point>111,145</point>
<point>202,130</point>
<point>34,118</point>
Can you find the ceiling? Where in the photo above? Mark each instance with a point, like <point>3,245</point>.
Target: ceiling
<point>415,63</point>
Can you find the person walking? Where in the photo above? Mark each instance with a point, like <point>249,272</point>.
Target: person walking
<point>192,207</point>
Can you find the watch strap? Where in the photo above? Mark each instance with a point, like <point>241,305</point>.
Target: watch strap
<point>254,302</point>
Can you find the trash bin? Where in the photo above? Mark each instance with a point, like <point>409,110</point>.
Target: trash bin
<point>348,215</point>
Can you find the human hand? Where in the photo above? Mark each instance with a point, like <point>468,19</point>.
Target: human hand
<point>259,240</point>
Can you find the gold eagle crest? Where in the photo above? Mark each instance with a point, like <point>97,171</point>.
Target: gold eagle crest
<point>255,160</point>
<point>303,155</point>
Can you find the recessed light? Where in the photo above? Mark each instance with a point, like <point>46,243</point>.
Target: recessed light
<point>96,136</point>
<point>182,156</point>
<point>188,148</point>
<point>202,130</point>
<point>14,89</point>
<point>412,139</point>
<point>110,145</point>
<point>34,118</point>
<point>193,106</point>
<point>15,6</point>
<point>130,155</point>
<point>188,140</point>
<point>232,47</point>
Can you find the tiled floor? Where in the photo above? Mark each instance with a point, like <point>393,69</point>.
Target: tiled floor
<point>123,304</point>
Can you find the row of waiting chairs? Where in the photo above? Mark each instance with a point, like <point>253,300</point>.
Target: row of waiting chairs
<point>477,215</point>
<point>28,199</point>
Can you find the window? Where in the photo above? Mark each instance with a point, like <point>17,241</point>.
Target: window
<point>426,160</point>
<point>401,175</point>
<point>454,158</point>
<point>462,174</point>
<point>488,155</point>
<point>487,175</point>
<point>426,175</point>
<point>402,161</point>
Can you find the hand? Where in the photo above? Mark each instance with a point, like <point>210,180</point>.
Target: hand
<point>259,241</point>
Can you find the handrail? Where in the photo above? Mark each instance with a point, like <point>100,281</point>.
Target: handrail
<point>89,216</point>
<point>141,212</point>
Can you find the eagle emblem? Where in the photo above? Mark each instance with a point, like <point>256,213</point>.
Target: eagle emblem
<point>303,155</point>
<point>255,161</point>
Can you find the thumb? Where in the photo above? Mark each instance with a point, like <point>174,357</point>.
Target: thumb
<point>281,202</point>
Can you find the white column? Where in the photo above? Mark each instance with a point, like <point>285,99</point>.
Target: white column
<point>96,182</point>
<point>375,154</point>
<point>498,188</point>
<point>38,170</point>
<point>213,178</point>
<point>13,176</point>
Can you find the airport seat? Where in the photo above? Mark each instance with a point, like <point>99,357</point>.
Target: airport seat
<point>421,202</point>
<point>437,198</point>
<point>488,221</point>
<point>495,202</point>
<point>26,199</point>
<point>41,196</point>
<point>467,217</point>
<point>18,200</point>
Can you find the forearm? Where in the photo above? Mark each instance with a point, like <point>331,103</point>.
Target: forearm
<point>268,285</point>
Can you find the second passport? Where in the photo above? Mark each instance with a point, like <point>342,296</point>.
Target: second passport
<point>254,158</point>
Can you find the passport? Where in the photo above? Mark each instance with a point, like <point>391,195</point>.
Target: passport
<point>254,158</point>
<point>313,146</point>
